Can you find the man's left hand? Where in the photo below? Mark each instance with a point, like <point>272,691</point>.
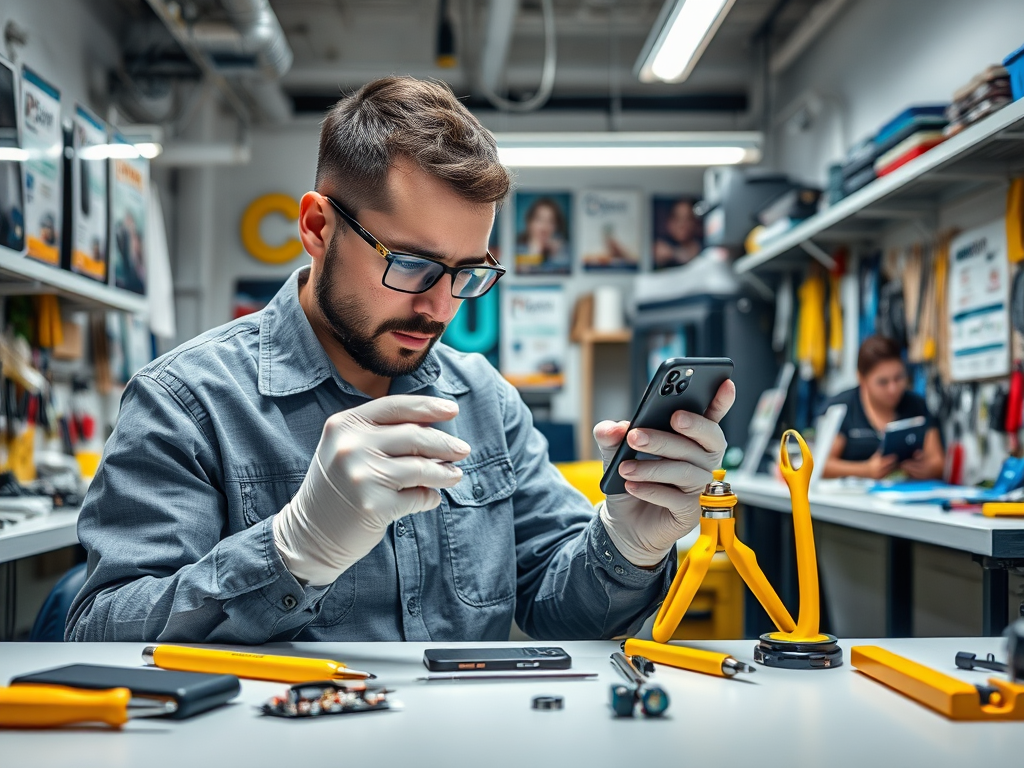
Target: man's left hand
<point>661,503</point>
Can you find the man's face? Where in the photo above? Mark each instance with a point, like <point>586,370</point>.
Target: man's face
<point>384,331</point>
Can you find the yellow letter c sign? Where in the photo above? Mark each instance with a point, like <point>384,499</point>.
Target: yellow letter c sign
<point>254,243</point>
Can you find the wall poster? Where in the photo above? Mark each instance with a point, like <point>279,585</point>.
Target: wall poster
<point>534,336</point>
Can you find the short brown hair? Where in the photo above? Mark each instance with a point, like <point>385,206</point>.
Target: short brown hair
<point>875,350</point>
<point>366,131</point>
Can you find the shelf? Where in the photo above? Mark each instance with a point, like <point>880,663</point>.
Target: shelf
<point>990,151</point>
<point>606,337</point>
<point>20,275</point>
<point>43,533</point>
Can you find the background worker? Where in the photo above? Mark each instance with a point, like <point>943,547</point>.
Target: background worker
<point>325,470</point>
<point>880,398</point>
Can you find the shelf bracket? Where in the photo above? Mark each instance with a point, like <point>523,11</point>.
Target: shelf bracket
<point>819,254</point>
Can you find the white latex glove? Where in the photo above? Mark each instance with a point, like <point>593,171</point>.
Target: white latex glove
<point>375,463</point>
<point>662,502</point>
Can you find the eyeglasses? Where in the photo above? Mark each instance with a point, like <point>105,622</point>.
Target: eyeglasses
<point>409,273</point>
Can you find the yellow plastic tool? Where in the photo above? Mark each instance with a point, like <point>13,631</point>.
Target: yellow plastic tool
<point>1003,509</point>
<point>718,533</point>
<point>693,659</point>
<point>949,696</point>
<point>52,706</point>
<point>256,666</point>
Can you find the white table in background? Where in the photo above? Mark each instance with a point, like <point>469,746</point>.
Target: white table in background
<point>996,543</point>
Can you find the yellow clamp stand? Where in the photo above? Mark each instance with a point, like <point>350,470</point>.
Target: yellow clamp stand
<point>956,699</point>
<point>796,644</point>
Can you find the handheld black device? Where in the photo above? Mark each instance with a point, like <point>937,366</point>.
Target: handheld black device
<point>679,384</point>
<point>504,657</point>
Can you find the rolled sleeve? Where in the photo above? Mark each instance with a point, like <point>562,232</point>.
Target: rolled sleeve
<point>152,522</point>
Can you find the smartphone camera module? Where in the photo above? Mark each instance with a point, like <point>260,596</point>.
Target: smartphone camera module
<point>683,382</point>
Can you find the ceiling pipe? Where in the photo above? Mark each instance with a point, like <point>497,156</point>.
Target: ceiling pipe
<point>170,15</point>
<point>806,33</point>
<point>257,23</point>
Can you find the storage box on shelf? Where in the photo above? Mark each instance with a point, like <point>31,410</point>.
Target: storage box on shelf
<point>990,151</point>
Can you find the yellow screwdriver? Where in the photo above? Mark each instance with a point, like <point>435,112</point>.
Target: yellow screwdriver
<point>255,666</point>
<point>693,659</point>
<point>51,706</point>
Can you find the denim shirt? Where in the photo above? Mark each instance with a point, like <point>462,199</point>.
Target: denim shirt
<point>214,438</point>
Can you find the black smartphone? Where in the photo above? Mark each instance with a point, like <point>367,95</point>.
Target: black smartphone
<point>679,384</point>
<point>194,692</point>
<point>511,657</point>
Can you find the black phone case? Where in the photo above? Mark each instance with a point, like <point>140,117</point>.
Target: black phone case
<point>481,659</point>
<point>656,406</point>
<point>194,692</point>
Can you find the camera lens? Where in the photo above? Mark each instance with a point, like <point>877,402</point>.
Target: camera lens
<point>682,385</point>
<point>667,389</point>
<point>672,376</point>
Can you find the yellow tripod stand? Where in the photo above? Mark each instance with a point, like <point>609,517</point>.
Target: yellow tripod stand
<point>797,644</point>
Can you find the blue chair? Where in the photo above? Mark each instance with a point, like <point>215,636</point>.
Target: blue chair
<point>49,625</point>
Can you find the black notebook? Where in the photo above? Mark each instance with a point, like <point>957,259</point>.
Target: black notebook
<point>193,691</point>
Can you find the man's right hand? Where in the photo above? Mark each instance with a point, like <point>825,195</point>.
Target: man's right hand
<point>375,463</point>
<point>879,466</point>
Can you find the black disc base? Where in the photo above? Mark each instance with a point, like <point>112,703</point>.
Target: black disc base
<point>786,655</point>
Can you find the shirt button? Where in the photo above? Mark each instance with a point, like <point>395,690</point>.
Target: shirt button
<point>400,528</point>
<point>289,602</point>
<point>413,605</point>
<point>478,491</point>
<point>619,570</point>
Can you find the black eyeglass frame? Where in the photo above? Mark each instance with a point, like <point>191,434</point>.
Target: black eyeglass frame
<point>390,256</point>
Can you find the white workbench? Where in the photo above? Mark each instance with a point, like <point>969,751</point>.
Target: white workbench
<point>42,533</point>
<point>833,718</point>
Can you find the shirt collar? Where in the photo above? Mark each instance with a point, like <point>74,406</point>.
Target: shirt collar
<point>292,360</point>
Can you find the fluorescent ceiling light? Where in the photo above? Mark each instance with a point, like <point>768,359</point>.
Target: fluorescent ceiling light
<point>13,154</point>
<point>120,150</point>
<point>678,38</point>
<point>621,150</point>
<point>149,149</point>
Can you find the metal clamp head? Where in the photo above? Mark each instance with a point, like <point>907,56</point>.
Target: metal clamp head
<point>718,500</point>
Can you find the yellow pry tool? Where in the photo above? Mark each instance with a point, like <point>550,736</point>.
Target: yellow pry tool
<point>956,699</point>
<point>797,644</point>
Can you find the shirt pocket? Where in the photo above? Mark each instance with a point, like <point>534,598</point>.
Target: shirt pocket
<point>262,497</point>
<point>480,532</point>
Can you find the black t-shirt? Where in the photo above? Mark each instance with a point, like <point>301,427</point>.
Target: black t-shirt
<point>862,441</point>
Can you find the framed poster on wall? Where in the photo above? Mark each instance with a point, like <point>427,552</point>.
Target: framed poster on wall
<point>543,226</point>
<point>534,336</point>
<point>609,230</point>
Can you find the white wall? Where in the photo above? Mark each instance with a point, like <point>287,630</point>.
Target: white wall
<point>880,56</point>
<point>284,160</point>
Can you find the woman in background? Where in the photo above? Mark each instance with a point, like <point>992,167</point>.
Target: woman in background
<point>881,397</point>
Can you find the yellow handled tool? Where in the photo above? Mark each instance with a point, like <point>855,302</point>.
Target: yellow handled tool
<point>681,657</point>
<point>255,666</point>
<point>1003,509</point>
<point>51,706</point>
<point>956,699</point>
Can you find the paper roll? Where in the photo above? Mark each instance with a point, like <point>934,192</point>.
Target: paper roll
<point>608,308</point>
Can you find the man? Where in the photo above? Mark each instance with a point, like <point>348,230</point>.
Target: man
<point>277,478</point>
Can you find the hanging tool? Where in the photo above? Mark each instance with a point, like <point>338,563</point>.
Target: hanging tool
<point>797,644</point>
<point>693,659</point>
<point>950,696</point>
<point>51,706</point>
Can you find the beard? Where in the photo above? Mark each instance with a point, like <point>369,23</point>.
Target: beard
<point>346,319</point>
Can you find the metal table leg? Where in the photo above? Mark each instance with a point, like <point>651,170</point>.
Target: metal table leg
<point>899,604</point>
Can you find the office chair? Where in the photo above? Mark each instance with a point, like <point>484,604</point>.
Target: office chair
<point>49,624</point>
